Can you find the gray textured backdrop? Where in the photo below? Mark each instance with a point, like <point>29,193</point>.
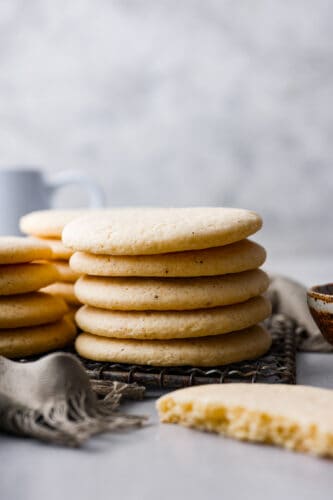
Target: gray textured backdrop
<point>179,102</point>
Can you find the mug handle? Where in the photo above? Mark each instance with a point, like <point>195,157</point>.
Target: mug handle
<point>66,178</point>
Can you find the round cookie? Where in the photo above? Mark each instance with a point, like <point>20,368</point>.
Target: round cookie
<point>206,351</point>
<point>30,309</point>
<point>19,249</point>
<point>59,251</point>
<point>64,291</point>
<point>172,324</point>
<point>19,342</point>
<point>65,273</point>
<point>154,231</point>
<point>234,258</point>
<point>48,223</point>
<point>148,294</point>
<point>23,278</point>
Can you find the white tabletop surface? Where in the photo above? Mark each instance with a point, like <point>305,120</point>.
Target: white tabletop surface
<point>166,462</point>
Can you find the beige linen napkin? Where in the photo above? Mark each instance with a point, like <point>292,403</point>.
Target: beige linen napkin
<point>52,400</point>
<point>288,297</point>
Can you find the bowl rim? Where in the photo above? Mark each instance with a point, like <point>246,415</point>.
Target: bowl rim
<point>314,293</point>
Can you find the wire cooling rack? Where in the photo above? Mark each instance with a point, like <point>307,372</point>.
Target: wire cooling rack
<point>277,366</point>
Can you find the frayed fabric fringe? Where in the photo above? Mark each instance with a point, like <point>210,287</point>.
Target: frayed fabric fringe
<point>61,413</point>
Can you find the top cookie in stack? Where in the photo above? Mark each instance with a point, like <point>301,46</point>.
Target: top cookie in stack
<point>169,286</point>
<point>46,226</point>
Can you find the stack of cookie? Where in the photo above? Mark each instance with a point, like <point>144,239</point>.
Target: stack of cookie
<point>31,321</point>
<point>46,226</point>
<point>169,286</point>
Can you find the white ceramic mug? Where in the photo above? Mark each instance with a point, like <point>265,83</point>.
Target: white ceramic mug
<point>25,189</point>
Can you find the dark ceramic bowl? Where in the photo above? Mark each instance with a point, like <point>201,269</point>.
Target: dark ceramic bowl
<point>320,302</point>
